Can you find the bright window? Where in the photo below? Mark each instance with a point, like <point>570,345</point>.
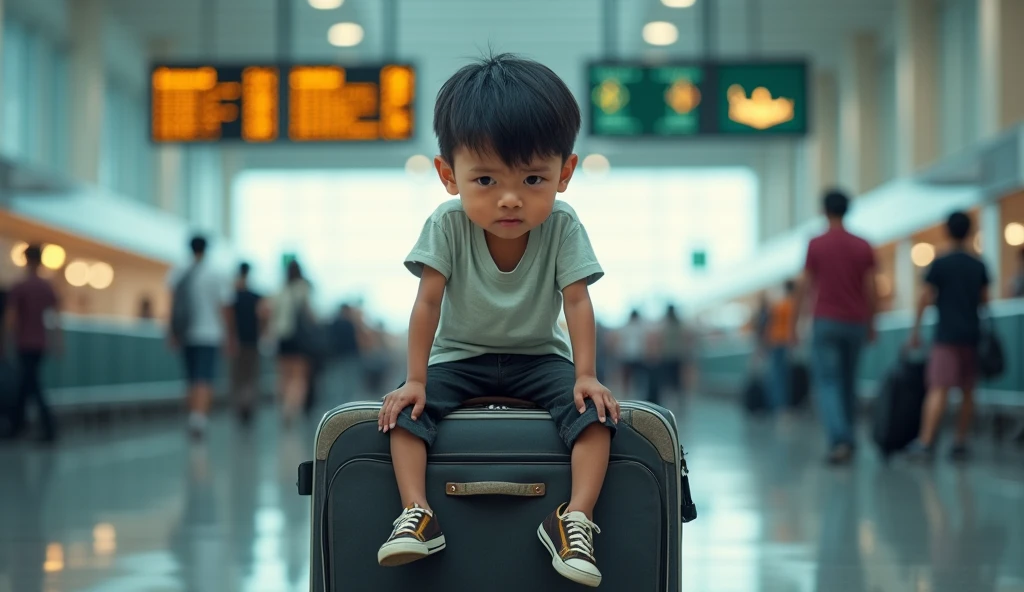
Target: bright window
<point>352,230</point>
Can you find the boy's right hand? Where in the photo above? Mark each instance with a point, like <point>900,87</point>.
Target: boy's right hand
<point>411,393</point>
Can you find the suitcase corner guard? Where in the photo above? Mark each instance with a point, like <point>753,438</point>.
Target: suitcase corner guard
<point>495,488</point>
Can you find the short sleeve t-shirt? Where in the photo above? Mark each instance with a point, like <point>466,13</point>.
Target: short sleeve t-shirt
<point>838,263</point>
<point>210,292</point>
<point>486,310</point>
<point>958,279</point>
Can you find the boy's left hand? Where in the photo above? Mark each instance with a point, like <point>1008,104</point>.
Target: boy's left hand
<point>590,387</point>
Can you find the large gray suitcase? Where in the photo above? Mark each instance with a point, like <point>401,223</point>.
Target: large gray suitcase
<point>491,536</point>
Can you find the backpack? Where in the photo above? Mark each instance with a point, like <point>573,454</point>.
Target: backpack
<point>181,306</point>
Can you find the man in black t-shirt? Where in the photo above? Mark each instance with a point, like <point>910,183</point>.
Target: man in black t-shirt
<point>247,323</point>
<point>957,284</point>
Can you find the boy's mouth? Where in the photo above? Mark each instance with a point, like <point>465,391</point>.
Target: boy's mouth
<point>509,222</point>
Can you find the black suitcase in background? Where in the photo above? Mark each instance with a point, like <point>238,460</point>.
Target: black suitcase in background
<point>491,538</point>
<point>896,416</point>
<point>755,395</point>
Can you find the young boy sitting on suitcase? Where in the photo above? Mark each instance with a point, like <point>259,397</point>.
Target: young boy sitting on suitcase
<point>496,267</point>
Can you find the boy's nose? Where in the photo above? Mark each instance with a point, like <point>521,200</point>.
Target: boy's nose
<point>510,200</point>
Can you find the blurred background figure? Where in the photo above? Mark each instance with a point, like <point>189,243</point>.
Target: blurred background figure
<point>780,338</point>
<point>247,324</point>
<point>201,310</point>
<point>632,350</point>
<point>32,306</point>
<point>1017,281</point>
<point>294,328</point>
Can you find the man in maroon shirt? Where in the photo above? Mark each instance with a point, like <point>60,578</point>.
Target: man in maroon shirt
<point>29,303</point>
<point>840,273</point>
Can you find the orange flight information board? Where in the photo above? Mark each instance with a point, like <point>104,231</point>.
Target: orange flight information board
<point>261,104</point>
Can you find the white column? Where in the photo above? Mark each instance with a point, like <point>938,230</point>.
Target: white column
<point>167,167</point>
<point>905,276</point>
<point>990,225</point>
<point>820,150</point>
<point>858,115</point>
<point>231,164</point>
<point>917,87</point>
<point>1001,53</point>
<point>775,176</point>
<point>88,86</point>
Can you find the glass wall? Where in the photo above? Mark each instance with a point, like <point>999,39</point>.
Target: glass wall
<point>352,230</point>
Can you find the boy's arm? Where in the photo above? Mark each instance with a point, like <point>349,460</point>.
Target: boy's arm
<point>426,313</point>
<point>579,316</point>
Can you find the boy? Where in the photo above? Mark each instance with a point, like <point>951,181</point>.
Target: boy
<point>495,267</point>
<point>957,283</point>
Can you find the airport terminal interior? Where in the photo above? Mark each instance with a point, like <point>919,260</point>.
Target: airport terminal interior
<point>808,217</point>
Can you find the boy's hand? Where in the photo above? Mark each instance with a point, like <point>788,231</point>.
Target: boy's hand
<point>411,393</point>
<point>590,387</point>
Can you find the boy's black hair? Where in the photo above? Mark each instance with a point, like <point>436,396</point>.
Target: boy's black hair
<point>958,226</point>
<point>515,107</point>
<point>836,203</point>
<point>198,245</point>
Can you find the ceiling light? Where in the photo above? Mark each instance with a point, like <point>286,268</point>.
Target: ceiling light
<point>679,3</point>
<point>77,273</point>
<point>418,164</point>
<point>101,275</point>
<point>1014,234</point>
<point>326,4</point>
<point>922,254</point>
<point>345,35</point>
<point>660,33</point>
<point>53,256</point>
<point>18,254</point>
<point>596,164</point>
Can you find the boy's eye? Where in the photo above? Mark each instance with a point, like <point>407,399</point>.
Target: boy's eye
<point>485,181</point>
<point>534,180</point>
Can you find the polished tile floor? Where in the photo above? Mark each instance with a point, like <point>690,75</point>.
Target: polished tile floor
<point>138,508</point>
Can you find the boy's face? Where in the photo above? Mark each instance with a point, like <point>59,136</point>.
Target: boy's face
<point>507,202</point>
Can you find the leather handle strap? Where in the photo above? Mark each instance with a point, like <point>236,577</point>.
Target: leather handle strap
<point>496,488</point>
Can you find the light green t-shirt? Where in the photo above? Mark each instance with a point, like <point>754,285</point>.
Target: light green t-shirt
<point>486,310</point>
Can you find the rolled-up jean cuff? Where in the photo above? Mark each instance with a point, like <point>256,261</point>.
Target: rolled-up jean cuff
<point>423,428</point>
<point>573,430</point>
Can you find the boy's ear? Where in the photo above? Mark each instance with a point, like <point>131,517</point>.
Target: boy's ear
<point>447,175</point>
<point>567,171</point>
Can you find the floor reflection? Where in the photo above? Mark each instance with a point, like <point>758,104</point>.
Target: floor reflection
<point>141,509</point>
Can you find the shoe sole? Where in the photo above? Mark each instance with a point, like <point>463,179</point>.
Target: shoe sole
<point>565,570</point>
<point>401,552</point>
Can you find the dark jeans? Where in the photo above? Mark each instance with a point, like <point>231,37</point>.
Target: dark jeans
<point>30,389</point>
<point>837,348</point>
<point>547,381</point>
<point>779,370</point>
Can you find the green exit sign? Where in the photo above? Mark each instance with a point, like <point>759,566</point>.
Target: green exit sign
<point>698,99</point>
<point>699,259</point>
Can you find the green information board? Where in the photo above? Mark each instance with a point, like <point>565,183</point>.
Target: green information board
<point>762,98</point>
<point>696,99</point>
<point>630,101</point>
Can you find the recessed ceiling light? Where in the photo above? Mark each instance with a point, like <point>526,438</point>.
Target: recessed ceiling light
<point>660,33</point>
<point>326,4</point>
<point>679,3</point>
<point>345,35</point>
<point>596,164</point>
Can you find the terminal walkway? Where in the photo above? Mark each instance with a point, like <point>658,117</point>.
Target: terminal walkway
<point>138,508</point>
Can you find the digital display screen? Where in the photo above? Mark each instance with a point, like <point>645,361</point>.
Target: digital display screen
<point>261,104</point>
<point>696,99</point>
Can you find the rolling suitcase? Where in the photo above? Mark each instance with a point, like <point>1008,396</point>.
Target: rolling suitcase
<point>493,474</point>
<point>896,414</point>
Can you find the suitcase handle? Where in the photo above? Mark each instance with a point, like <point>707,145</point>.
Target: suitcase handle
<point>496,488</point>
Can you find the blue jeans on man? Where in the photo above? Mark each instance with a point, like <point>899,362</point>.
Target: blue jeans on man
<point>837,347</point>
<point>778,378</point>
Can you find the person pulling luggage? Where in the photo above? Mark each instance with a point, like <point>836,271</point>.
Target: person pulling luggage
<point>496,267</point>
<point>957,283</point>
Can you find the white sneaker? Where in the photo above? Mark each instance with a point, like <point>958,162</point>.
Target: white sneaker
<point>570,540</point>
